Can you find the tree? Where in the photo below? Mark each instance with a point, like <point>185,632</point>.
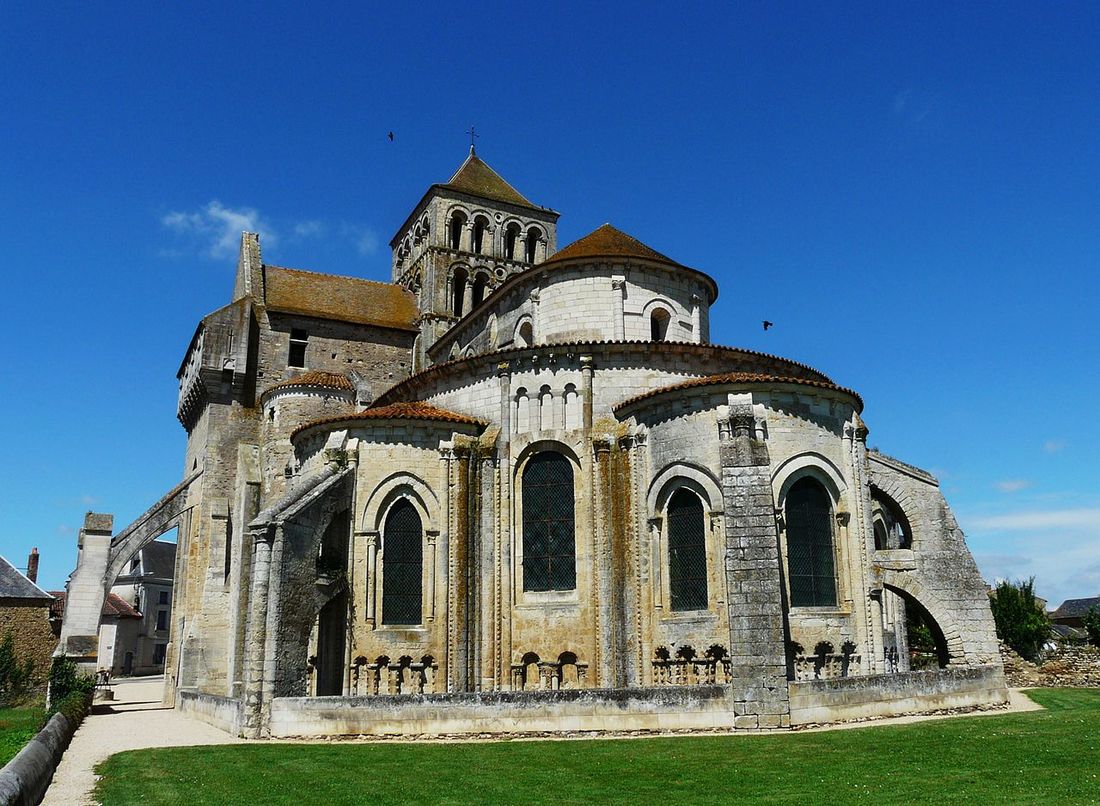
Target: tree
<point>1092,625</point>
<point>1021,621</point>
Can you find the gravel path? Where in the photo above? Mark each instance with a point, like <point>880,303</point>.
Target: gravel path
<point>133,720</point>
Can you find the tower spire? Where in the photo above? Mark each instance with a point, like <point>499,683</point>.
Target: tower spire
<point>473,133</point>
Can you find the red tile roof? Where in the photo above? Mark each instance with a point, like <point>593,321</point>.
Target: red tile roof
<point>608,241</point>
<point>737,378</point>
<point>344,299</point>
<point>326,380</point>
<point>478,179</point>
<point>114,606</point>
<point>398,411</point>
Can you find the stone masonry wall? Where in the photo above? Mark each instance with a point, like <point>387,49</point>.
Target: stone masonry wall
<point>32,634</point>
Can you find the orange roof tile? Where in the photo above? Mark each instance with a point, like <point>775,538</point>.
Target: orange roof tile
<point>737,378</point>
<point>478,179</point>
<point>608,241</point>
<point>326,380</point>
<point>398,411</point>
<point>345,299</point>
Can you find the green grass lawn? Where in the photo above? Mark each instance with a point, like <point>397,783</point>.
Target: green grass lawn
<point>17,726</point>
<point>1050,756</point>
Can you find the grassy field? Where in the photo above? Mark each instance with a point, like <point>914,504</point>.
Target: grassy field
<point>1050,756</point>
<point>17,726</point>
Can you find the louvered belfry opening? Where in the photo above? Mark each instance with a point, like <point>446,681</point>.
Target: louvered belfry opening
<point>810,554</point>
<point>687,552</point>
<point>402,565</point>
<point>549,553</point>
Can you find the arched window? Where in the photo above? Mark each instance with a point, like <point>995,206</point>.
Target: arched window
<point>454,240</point>
<point>525,335</point>
<point>481,227</point>
<point>402,565</point>
<point>687,552</point>
<point>477,294</point>
<point>810,564</point>
<point>549,561</point>
<point>511,236</point>
<point>458,291</point>
<point>533,236</point>
<point>658,324</point>
<point>881,540</point>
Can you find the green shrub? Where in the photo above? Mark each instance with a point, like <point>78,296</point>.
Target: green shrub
<point>16,681</point>
<point>70,691</point>
<point>1092,625</point>
<point>1021,621</point>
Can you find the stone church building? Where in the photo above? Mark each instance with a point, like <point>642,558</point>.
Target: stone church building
<point>518,489</point>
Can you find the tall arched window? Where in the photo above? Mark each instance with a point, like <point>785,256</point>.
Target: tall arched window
<point>533,235</point>
<point>481,229</point>
<point>402,565</point>
<point>658,324</point>
<point>810,564</point>
<point>477,294</point>
<point>549,553</point>
<point>458,291</point>
<point>511,236</point>
<point>687,552</point>
<point>454,240</point>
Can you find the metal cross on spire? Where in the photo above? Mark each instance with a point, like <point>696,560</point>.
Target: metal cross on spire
<point>473,133</point>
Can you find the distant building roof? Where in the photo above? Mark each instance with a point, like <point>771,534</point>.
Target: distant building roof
<point>158,559</point>
<point>475,177</point>
<point>114,606</point>
<point>1075,608</point>
<point>13,585</point>
<point>344,299</point>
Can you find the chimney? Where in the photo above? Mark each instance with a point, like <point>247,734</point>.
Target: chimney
<point>32,565</point>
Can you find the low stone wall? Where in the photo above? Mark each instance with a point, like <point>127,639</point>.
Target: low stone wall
<point>850,698</point>
<point>221,712</point>
<point>576,710</point>
<point>1074,666</point>
<point>24,779</point>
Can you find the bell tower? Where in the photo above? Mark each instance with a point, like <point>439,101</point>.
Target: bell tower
<point>464,238</point>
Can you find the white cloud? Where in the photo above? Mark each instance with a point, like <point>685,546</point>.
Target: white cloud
<point>216,229</point>
<point>310,229</point>
<point>1039,520</point>
<point>1053,445</point>
<point>367,243</point>
<point>1012,485</point>
<point>913,106</point>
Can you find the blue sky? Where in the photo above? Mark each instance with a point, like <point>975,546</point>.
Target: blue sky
<point>911,192</point>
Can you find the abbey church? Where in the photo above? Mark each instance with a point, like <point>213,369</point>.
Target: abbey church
<point>517,489</point>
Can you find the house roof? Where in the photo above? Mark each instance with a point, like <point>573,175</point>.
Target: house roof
<point>158,559</point>
<point>1076,608</point>
<point>397,411</point>
<point>344,299</point>
<point>326,380</point>
<point>14,585</point>
<point>475,177</point>
<point>114,606</point>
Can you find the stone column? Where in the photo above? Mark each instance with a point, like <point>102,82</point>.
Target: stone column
<point>430,537</point>
<point>254,695</point>
<point>467,237</point>
<point>586,390</point>
<point>618,291</point>
<point>696,319</point>
<point>371,536</point>
<point>758,664</point>
<point>504,521</point>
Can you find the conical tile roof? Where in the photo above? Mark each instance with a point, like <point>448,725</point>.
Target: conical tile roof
<point>475,177</point>
<point>608,241</point>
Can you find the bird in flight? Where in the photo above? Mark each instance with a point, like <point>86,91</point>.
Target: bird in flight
<point>768,324</point>
<point>391,137</point>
